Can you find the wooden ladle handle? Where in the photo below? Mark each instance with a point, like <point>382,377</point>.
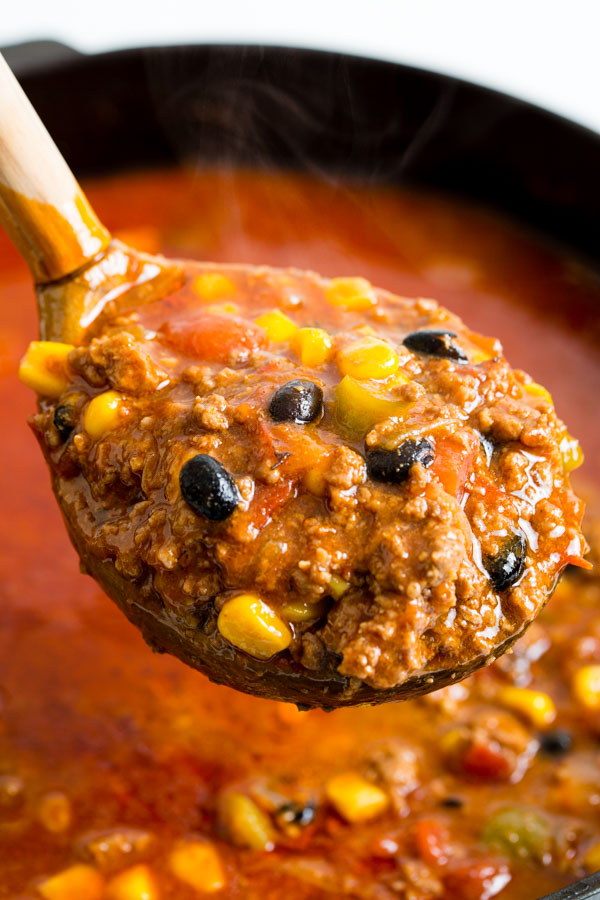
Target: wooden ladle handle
<point>42,207</point>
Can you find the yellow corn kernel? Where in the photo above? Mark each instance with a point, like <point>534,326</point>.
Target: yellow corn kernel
<point>223,309</point>
<point>313,346</point>
<point>337,587</point>
<point>302,611</point>
<point>213,286</point>
<point>478,356</point>
<point>451,741</point>
<point>44,367</point>
<point>78,882</point>
<point>536,706</point>
<point>591,860</point>
<point>586,686</point>
<point>359,405</point>
<point>572,454</point>
<point>538,390</point>
<point>136,883</point>
<point>355,798</point>
<point>315,483</point>
<point>314,478</point>
<point>277,325</point>
<point>350,293</point>
<point>198,864</point>
<point>55,812</point>
<point>367,358</point>
<point>102,414</point>
<point>110,850</point>
<point>246,824</point>
<point>249,624</point>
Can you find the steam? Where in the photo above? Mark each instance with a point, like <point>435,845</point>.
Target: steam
<point>322,114</point>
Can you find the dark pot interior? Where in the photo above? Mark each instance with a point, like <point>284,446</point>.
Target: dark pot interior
<point>262,106</point>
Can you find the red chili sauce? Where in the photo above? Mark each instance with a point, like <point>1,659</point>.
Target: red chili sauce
<point>124,775</point>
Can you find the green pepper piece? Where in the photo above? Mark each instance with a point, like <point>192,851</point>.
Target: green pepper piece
<point>520,832</point>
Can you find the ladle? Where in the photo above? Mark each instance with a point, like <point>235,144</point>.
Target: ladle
<point>77,267</point>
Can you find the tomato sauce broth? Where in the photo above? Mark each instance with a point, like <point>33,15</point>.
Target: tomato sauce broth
<point>131,738</point>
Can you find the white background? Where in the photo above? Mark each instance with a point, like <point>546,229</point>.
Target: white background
<point>546,51</point>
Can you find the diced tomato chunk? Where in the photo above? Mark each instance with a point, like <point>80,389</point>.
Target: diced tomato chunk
<point>489,345</point>
<point>485,761</point>
<point>574,553</point>
<point>267,499</point>
<point>496,497</point>
<point>476,879</point>
<point>432,842</point>
<point>453,462</point>
<point>212,338</point>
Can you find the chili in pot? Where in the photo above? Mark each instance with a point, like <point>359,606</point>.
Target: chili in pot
<point>125,776</point>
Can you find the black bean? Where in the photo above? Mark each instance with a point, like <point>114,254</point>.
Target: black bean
<point>435,343</point>
<point>507,566</point>
<point>297,401</point>
<point>394,466</point>
<point>208,488</point>
<point>556,743</point>
<point>293,814</point>
<point>64,420</point>
<point>452,803</point>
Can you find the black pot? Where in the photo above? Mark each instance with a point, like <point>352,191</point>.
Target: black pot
<point>321,112</point>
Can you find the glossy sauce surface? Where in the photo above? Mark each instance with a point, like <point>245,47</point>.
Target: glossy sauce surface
<point>134,739</point>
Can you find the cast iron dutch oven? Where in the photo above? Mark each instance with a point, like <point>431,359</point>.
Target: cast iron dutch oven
<point>325,113</point>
